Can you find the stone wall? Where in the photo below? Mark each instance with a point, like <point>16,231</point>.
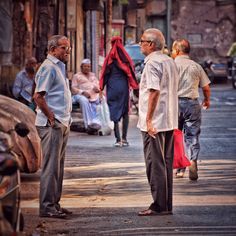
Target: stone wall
<point>209,27</point>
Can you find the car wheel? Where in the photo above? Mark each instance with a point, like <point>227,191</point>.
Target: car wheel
<point>211,78</point>
<point>234,82</point>
<point>22,222</point>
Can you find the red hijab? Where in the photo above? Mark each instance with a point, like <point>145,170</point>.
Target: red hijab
<point>123,60</point>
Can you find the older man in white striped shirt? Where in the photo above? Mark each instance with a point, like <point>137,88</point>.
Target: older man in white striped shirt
<point>158,117</point>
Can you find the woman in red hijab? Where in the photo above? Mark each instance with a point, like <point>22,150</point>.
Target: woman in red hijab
<point>118,77</point>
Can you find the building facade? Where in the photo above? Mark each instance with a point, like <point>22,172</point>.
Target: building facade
<point>25,26</point>
<point>208,25</point>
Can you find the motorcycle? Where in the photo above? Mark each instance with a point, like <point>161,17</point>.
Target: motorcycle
<point>28,149</point>
<point>232,70</point>
<point>11,218</point>
<point>134,94</point>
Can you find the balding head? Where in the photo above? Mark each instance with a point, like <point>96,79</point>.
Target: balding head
<point>182,45</point>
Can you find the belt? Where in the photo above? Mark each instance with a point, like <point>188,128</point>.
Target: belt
<point>186,98</point>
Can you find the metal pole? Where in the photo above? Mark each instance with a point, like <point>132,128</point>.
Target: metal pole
<point>56,19</point>
<point>65,15</point>
<point>168,37</point>
<point>105,28</point>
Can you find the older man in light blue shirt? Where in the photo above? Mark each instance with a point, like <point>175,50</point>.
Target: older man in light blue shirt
<point>53,99</point>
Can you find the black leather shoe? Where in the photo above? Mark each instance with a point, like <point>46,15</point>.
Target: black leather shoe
<point>56,214</point>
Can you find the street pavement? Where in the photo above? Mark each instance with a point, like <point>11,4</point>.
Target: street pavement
<point>106,186</point>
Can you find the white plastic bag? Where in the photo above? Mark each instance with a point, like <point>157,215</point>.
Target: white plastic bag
<point>104,116</point>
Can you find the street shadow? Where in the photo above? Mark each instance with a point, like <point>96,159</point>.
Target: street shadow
<point>190,220</point>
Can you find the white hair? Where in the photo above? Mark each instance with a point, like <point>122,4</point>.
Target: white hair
<point>155,36</point>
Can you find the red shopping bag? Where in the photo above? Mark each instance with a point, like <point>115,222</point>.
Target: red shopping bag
<point>180,159</point>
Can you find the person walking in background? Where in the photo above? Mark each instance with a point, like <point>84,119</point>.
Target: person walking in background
<point>192,76</point>
<point>53,98</point>
<point>158,117</point>
<point>118,77</point>
<point>85,90</point>
<point>24,83</point>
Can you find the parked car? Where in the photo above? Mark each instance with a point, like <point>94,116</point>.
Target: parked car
<point>134,51</point>
<point>11,218</point>
<point>215,71</point>
<point>138,58</point>
<point>20,151</point>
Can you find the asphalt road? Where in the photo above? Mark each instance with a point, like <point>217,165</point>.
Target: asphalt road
<point>105,187</point>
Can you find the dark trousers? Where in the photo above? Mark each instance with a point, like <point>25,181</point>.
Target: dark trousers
<point>158,154</point>
<point>125,125</point>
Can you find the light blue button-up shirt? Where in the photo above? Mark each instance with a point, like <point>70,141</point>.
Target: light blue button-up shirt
<point>51,78</point>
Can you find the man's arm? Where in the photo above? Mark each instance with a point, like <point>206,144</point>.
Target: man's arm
<point>41,103</point>
<point>152,103</point>
<point>207,93</point>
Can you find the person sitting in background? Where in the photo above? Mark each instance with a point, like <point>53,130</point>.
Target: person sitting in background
<point>85,91</point>
<point>24,83</point>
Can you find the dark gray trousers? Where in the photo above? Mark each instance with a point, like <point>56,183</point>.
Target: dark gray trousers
<point>158,154</point>
<point>53,140</point>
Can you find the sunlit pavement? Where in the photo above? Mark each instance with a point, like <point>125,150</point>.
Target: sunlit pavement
<point>106,186</point>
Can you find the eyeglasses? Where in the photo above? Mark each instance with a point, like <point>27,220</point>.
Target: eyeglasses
<point>65,48</point>
<point>145,41</point>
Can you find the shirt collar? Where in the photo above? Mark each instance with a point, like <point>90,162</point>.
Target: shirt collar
<point>53,59</point>
<point>182,57</point>
<point>149,56</point>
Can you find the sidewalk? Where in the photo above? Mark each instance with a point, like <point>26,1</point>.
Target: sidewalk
<point>105,187</point>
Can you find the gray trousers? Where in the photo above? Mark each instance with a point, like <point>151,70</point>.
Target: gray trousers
<point>158,154</point>
<point>53,140</point>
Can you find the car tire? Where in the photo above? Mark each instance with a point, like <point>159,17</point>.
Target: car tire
<point>234,78</point>
<point>234,82</point>
<point>22,222</point>
<point>211,78</point>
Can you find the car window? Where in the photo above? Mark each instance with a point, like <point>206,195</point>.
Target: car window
<point>134,52</point>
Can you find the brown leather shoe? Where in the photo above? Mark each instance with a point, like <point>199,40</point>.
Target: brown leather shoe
<point>193,175</point>
<point>149,212</point>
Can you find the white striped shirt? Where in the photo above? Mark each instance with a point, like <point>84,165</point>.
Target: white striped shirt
<point>191,75</point>
<point>160,73</point>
